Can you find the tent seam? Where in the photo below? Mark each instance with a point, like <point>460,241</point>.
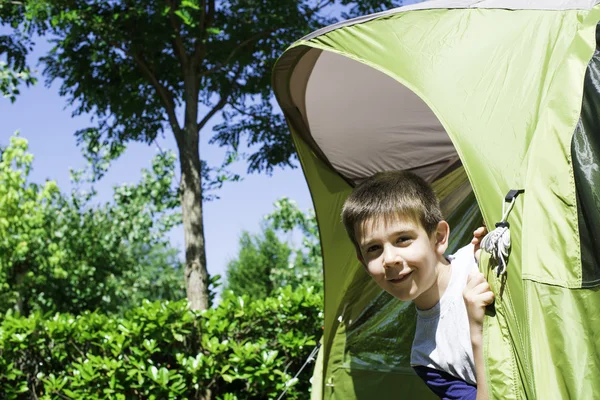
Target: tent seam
<point>552,282</point>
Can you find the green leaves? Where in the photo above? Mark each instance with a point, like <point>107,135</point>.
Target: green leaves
<point>186,17</point>
<point>132,64</point>
<point>10,80</point>
<point>14,47</point>
<point>60,253</point>
<point>191,4</point>
<point>265,262</point>
<point>258,256</point>
<point>96,356</point>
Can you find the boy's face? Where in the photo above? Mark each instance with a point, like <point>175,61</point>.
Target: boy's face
<point>402,258</point>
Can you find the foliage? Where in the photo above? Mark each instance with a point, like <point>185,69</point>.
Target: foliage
<point>10,80</point>
<point>133,63</point>
<point>307,266</point>
<point>60,253</point>
<point>252,273</point>
<point>13,49</point>
<point>156,274</point>
<point>162,350</point>
<point>287,217</point>
<point>265,262</point>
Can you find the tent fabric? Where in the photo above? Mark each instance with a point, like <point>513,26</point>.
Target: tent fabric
<point>344,137</point>
<point>506,87</point>
<point>585,152</point>
<point>458,4</point>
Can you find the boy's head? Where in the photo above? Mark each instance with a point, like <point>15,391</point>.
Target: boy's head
<point>389,195</point>
<point>396,225</point>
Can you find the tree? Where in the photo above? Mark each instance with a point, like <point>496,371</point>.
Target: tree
<point>144,67</point>
<point>265,263</point>
<point>259,256</point>
<point>13,48</point>
<point>62,253</point>
<point>288,217</point>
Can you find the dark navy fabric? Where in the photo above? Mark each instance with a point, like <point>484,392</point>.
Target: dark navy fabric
<point>446,386</point>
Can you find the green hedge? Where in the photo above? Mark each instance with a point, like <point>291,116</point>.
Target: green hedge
<point>161,350</point>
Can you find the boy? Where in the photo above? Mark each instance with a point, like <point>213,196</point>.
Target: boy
<point>396,225</point>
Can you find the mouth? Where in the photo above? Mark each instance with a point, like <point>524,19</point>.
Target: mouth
<point>401,278</point>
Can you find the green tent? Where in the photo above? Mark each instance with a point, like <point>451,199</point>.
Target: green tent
<point>478,97</point>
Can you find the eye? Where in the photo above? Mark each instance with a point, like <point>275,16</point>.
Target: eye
<point>373,248</point>
<point>404,239</point>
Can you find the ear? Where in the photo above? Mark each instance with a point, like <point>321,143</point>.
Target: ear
<point>442,235</point>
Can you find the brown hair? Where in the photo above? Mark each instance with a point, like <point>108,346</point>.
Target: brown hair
<point>389,195</point>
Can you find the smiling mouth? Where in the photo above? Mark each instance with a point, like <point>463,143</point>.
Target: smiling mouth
<point>401,278</point>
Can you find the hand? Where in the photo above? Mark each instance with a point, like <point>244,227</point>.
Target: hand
<point>477,295</point>
<point>478,236</point>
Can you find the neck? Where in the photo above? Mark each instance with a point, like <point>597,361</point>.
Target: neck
<point>432,296</point>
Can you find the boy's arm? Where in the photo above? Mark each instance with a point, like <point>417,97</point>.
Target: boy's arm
<point>477,295</point>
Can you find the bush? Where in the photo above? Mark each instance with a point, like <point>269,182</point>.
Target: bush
<point>162,350</point>
<point>62,253</point>
<point>265,262</point>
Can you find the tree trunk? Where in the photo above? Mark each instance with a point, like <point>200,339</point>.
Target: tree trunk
<point>20,275</point>
<point>196,274</point>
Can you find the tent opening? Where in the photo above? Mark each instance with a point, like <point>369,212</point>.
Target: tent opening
<point>358,121</point>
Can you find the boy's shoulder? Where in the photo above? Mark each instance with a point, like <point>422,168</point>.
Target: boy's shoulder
<point>464,259</point>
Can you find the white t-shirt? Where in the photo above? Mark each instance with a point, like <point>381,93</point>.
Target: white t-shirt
<point>442,339</point>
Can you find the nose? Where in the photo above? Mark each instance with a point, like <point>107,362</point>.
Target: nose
<point>391,256</point>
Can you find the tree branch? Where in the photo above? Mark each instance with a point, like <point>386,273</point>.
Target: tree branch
<point>246,113</point>
<point>178,46</point>
<point>210,15</point>
<point>164,94</point>
<point>207,16</point>
<point>202,20</point>
<point>222,102</point>
<point>199,53</point>
<point>77,348</point>
<point>319,7</point>
<point>236,50</point>
<point>61,395</point>
<point>206,22</point>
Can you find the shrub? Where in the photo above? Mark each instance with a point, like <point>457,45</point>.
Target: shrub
<point>162,350</point>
